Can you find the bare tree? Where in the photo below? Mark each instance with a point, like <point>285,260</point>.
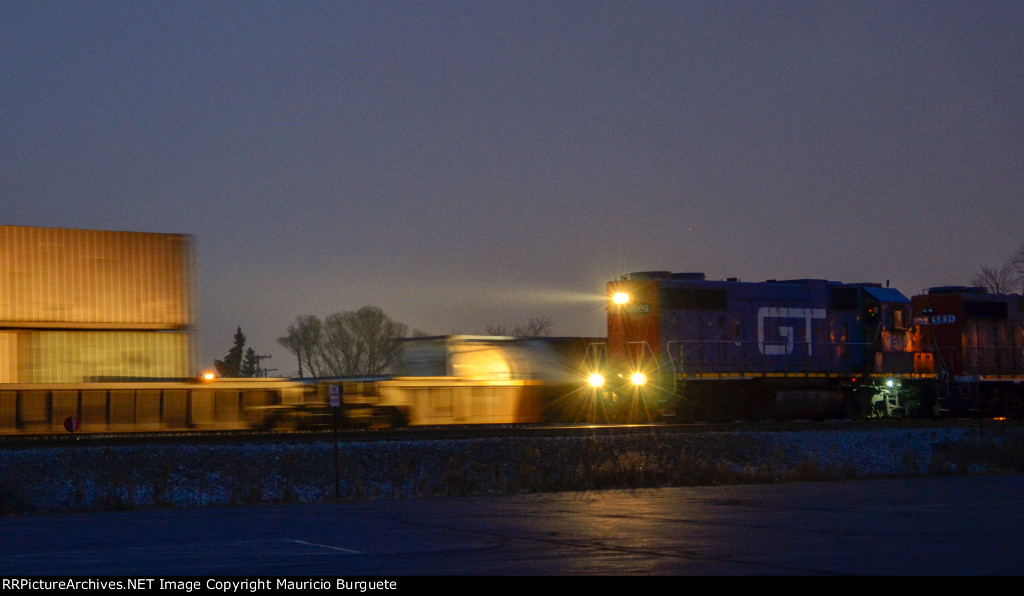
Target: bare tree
<point>1005,279</point>
<point>304,341</point>
<point>535,327</point>
<point>1016,262</point>
<point>997,281</point>
<point>346,343</point>
<point>379,333</point>
<point>339,348</point>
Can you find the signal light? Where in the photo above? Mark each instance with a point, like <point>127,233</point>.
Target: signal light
<point>871,313</point>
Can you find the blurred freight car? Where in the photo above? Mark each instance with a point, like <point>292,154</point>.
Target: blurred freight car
<point>94,306</point>
<point>971,343</point>
<point>693,349</point>
<point>452,379</point>
<point>114,407</point>
<point>96,326</point>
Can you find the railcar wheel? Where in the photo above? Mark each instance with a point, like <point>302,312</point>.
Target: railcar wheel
<point>286,422</point>
<point>387,418</point>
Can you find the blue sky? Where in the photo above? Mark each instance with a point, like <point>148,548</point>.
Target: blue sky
<point>464,164</point>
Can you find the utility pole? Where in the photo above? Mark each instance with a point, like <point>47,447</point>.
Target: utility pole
<point>260,371</point>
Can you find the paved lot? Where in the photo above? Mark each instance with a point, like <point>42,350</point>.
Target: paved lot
<point>927,526</point>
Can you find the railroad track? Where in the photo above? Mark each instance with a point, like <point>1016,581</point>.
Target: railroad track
<point>46,440</point>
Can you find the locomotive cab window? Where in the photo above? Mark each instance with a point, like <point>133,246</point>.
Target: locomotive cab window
<point>899,318</point>
<point>693,299</point>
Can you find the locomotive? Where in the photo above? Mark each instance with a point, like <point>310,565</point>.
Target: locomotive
<point>687,348</point>
<point>969,345</point>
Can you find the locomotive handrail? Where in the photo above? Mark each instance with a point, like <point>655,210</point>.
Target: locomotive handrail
<point>704,356</point>
<point>595,356</point>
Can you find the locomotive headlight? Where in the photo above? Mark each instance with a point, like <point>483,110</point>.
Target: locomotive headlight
<point>595,380</point>
<point>620,298</point>
<point>638,378</point>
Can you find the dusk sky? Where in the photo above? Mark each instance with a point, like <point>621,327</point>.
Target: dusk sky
<point>465,164</point>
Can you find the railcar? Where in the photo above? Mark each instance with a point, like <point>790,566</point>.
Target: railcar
<point>968,349</point>
<point>688,348</point>
<point>450,380</point>
<point>142,406</point>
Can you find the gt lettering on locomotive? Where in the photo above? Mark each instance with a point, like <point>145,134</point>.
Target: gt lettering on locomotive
<point>777,312</point>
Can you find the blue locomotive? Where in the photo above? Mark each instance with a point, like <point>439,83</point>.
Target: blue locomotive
<point>688,348</point>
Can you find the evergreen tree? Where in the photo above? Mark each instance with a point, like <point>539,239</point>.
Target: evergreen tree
<point>250,364</point>
<point>231,365</point>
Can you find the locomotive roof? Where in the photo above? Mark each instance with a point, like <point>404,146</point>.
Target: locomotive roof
<point>886,294</point>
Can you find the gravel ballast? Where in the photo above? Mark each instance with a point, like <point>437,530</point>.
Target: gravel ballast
<point>86,477</point>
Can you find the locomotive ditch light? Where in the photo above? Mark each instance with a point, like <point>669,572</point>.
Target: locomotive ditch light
<point>638,379</point>
<point>209,376</point>
<point>620,298</point>
<point>595,380</point>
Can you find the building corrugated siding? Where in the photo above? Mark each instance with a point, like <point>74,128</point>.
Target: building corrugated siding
<point>54,277</point>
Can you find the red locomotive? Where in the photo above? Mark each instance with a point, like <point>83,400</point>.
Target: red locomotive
<point>970,345</point>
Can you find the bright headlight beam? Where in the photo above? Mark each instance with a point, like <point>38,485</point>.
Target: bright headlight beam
<point>620,298</point>
<point>638,378</point>
<point>595,380</point>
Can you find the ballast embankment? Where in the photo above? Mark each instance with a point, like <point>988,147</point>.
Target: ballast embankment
<point>90,478</point>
